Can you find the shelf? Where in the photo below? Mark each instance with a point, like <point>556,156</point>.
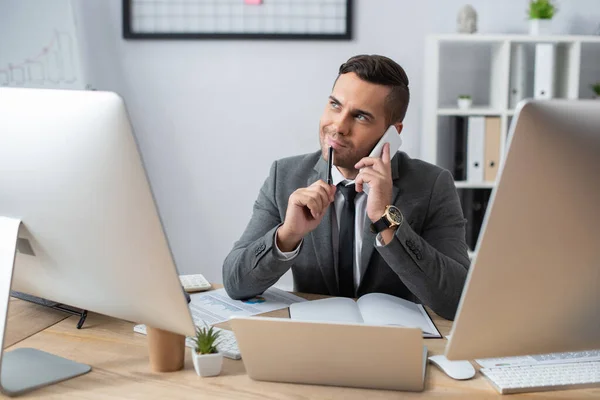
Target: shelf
<point>471,111</point>
<point>475,111</point>
<point>498,71</point>
<point>484,38</point>
<point>474,185</point>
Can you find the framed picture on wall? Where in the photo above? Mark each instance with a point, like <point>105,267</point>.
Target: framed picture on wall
<point>238,19</point>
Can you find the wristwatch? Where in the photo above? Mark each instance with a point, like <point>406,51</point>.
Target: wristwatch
<point>391,218</point>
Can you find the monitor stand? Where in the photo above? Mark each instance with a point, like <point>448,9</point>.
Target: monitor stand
<point>24,369</point>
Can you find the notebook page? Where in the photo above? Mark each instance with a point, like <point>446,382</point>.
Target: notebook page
<point>334,309</point>
<point>384,309</point>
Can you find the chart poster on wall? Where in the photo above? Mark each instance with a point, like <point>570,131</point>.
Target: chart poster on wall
<point>39,45</point>
<point>238,19</point>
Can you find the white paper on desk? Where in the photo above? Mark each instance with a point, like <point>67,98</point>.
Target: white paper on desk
<point>216,306</point>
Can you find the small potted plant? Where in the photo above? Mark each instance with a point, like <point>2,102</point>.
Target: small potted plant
<point>207,360</point>
<point>540,16</point>
<point>596,88</point>
<point>464,101</point>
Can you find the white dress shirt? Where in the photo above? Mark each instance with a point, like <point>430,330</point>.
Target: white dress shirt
<point>360,219</point>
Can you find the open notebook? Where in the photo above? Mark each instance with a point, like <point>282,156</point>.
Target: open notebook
<point>371,309</point>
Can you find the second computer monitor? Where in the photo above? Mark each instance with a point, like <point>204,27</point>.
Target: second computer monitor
<point>534,285</point>
<point>91,235</point>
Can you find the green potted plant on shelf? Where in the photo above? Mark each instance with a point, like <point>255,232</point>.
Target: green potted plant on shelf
<point>540,16</point>
<point>207,359</point>
<point>596,88</point>
<point>464,101</point>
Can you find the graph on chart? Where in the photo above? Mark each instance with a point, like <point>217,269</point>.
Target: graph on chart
<point>216,306</point>
<point>39,45</point>
<point>52,65</point>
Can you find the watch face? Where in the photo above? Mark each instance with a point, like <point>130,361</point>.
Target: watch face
<point>395,215</point>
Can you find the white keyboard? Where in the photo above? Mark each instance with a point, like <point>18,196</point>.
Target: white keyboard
<point>551,358</point>
<point>226,343</point>
<point>544,377</point>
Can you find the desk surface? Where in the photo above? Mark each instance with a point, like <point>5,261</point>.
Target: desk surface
<point>120,366</point>
<point>26,319</point>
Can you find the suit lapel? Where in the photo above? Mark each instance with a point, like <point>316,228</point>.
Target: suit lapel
<point>322,236</point>
<point>368,244</point>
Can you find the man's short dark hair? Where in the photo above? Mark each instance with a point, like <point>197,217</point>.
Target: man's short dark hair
<point>383,71</point>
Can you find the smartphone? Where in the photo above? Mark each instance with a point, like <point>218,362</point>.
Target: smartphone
<point>390,136</point>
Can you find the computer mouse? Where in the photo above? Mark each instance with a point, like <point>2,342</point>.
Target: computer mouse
<point>454,369</point>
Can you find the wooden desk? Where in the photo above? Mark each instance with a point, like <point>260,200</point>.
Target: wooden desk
<point>119,358</point>
<point>26,319</point>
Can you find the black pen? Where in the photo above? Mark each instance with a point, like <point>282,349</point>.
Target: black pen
<point>329,166</point>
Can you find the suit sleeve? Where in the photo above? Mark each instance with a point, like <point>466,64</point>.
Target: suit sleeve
<point>253,264</point>
<point>433,266</point>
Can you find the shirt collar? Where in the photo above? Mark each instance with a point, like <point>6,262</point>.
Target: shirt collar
<point>337,177</point>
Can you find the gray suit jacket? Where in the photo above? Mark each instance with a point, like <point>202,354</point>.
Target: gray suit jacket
<point>426,262</point>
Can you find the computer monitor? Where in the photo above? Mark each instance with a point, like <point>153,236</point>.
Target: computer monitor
<point>534,284</point>
<point>73,185</point>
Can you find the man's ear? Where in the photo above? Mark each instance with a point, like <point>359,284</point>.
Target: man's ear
<point>399,126</point>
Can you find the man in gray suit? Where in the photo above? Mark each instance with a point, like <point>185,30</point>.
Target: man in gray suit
<point>405,238</point>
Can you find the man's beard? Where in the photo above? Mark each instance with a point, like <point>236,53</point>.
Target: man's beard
<point>345,160</point>
<point>347,157</point>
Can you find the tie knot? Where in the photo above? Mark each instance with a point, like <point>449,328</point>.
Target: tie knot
<point>349,191</point>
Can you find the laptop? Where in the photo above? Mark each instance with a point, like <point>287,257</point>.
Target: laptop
<point>335,354</point>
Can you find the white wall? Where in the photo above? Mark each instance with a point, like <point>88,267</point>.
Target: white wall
<point>211,116</point>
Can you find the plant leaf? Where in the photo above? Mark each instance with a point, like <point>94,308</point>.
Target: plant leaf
<point>206,339</point>
<point>541,9</point>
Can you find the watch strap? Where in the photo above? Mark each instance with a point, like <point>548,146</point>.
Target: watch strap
<point>380,225</point>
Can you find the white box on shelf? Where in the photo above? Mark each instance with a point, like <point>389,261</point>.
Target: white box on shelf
<point>475,149</point>
<point>518,75</point>
<point>545,67</point>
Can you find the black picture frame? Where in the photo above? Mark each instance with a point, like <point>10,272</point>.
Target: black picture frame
<point>128,32</point>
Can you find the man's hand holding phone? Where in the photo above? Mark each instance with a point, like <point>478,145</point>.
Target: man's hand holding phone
<point>306,208</point>
<point>377,172</point>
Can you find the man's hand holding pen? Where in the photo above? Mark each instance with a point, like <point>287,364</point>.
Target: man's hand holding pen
<point>306,208</point>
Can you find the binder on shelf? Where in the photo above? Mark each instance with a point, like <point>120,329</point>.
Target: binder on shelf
<point>518,75</point>
<point>459,170</point>
<point>545,68</point>
<point>474,203</point>
<point>475,149</point>
<point>480,204</point>
<point>492,148</point>
<point>466,202</point>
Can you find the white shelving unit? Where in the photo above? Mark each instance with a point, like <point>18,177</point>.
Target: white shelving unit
<point>481,65</point>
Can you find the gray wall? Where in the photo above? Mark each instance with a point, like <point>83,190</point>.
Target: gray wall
<point>211,116</point>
